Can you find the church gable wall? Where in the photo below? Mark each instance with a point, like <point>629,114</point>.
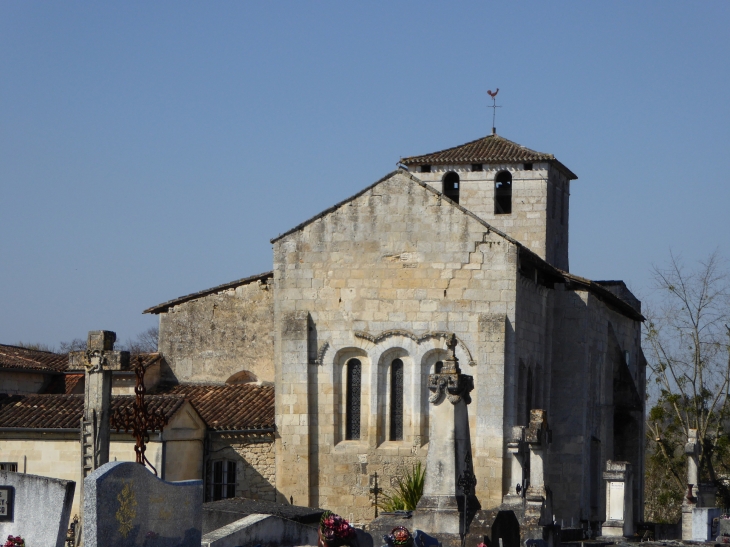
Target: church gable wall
<point>380,278</point>
<point>211,338</point>
<point>540,203</point>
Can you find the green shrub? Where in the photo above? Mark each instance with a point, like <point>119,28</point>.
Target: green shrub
<point>409,490</point>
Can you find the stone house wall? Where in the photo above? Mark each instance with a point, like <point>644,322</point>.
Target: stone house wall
<point>22,383</point>
<point>213,337</point>
<point>379,278</point>
<point>255,462</point>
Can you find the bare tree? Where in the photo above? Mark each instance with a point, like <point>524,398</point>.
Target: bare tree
<point>144,342</point>
<point>686,345</point>
<point>36,346</point>
<point>77,344</point>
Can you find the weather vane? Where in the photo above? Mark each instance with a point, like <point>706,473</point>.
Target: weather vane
<point>494,108</point>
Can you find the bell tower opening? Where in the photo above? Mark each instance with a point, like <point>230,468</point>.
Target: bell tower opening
<point>503,193</point>
<point>451,186</point>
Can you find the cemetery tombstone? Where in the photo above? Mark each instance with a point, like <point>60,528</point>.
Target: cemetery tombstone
<point>35,508</point>
<point>619,500</point>
<point>126,505</point>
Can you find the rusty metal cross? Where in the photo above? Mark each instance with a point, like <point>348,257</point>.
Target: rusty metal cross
<point>138,420</point>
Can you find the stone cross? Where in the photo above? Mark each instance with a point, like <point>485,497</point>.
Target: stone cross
<point>441,508</point>
<point>97,362</point>
<point>537,437</point>
<point>692,449</point>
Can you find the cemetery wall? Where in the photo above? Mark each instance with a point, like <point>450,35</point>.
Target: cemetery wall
<point>376,279</point>
<point>213,337</point>
<point>255,459</point>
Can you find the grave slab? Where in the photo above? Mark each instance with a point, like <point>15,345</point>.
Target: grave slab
<point>125,505</point>
<point>35,508</point>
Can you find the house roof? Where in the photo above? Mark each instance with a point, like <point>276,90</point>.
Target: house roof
<point>65,411</point>
<point>229,407</point>
<point>15,357</point>
<point>161,308</point>
<point>489,149</point>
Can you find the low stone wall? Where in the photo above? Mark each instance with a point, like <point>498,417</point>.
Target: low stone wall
<point>264,530</point>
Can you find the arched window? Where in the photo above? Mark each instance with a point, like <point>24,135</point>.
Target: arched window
<point>451,186</point>
<point>503,193</point>
<point>396,400</point>
<point>352,404</point>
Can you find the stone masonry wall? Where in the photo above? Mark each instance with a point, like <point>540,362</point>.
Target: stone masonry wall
<point>385,276</point>
<point>540,204</point>
<point>211,338</point>
<point>582,406</point>
<point>255,463</point>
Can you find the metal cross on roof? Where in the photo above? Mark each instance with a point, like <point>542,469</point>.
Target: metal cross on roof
<point>139,421</point>
<point>494,108</point>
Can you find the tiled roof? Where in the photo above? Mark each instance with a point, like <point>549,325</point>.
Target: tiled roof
<point>489,149</point>
<point>65,411</point>
<point>14,357</point>
<point>161,308</point>
<point>229,407</point>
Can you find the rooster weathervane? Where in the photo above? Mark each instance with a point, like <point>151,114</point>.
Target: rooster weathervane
<point>494,107</point>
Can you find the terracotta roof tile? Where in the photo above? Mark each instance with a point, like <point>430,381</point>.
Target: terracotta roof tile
<point>14,357</point>
<point>489,149</point>
<point>229,407</point>
<point>65,411</point>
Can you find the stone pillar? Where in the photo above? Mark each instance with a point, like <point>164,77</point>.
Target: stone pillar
<point>516,484</point>
<point>692,450</point>
<point>448,500</point>
<point>619,500</point>
<point>97,362</point>
<point>537,436</point>
<point>292,408</point>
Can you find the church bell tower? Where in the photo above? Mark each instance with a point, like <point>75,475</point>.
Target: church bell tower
<point>523,193</point>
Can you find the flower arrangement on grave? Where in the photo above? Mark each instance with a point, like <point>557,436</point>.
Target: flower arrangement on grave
<point>399,536</point>
<point>334,530</point>
<point>14,541</point>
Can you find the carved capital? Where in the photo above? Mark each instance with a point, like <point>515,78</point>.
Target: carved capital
<point>454,386</point>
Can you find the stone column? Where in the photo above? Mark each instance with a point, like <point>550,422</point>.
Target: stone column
<point>448,499</point>
<point>619,500</point>
<point>516,484</point>
<point>97,362</point>
<point>537,436</point>
<point>689,502</point>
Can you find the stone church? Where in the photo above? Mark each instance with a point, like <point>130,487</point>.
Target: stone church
<point>470,241</point>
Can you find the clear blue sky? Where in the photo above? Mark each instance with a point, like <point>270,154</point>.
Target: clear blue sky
<point>151,149</point>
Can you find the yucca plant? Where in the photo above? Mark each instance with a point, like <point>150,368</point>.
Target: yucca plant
<point>409,490</point>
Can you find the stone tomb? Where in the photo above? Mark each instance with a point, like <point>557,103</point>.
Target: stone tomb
<point>125,505</point>
<point>619,500</point>
<point>35,508</point>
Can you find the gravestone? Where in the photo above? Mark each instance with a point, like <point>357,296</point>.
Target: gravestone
<point>35,508</point>
<point>125,505</point>
<point>619,500</point>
